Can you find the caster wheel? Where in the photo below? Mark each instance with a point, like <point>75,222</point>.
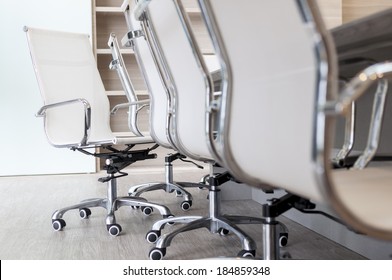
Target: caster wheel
<point>186,205</point>
<point>114,230</point>
<point>283,239</point>
<point>147,210</point>
<point>84,213</point>
<point>58,224</point>
<point>223,232</point>
<point>157,253</point>
<point>152,236</point>
<point>247,254</point>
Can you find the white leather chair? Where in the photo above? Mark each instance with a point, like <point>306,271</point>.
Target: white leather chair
<point>284,80</point>
<point>76,116</point>
<point>186,87</point>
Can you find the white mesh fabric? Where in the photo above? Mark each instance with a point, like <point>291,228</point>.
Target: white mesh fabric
<point>66,70</point>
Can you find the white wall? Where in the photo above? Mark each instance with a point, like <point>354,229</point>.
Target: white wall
<point>23,146</point>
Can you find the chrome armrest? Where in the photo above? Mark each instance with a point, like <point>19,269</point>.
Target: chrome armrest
<point>87,114</point>
<point>356,87</point>
<point>375,126</point>
<point>129,104</point>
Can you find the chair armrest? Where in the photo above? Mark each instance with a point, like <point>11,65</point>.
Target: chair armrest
<point>376,120</point>
<point>87,114</point>
<point>356,87</point>
<point>378,73</point>
<point>127,105</point>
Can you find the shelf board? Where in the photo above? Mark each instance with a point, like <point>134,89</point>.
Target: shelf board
<point>108,9</point>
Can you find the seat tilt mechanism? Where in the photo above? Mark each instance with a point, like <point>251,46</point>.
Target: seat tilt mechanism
<point>118,160</point>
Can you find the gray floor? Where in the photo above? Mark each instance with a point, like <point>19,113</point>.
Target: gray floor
<point>28,203</point>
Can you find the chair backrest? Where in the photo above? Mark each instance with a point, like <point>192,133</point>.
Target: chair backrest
<point>275,127</point>
<point>188,87</point>
<point>159,99</point>
<point>66,69</point>
<point>269,110</point>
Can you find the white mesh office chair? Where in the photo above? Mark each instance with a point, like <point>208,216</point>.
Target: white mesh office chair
<point>284,80</point>
<point>158,103</point>
<point>187,89</point>
<point>76,116</point>
<point>160,108</point>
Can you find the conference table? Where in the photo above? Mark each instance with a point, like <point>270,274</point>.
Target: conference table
<point>363,42</point>
<point>359,43</point>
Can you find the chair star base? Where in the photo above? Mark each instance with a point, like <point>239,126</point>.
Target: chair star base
<point>116,160</point>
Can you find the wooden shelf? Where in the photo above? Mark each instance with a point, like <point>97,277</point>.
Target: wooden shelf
<point>108,9</point>
<point>110,77</point>
<point>108,3</point>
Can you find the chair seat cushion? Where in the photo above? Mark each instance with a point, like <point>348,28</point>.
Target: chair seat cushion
<point>367,193</point>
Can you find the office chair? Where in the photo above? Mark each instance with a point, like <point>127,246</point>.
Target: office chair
<point>285,80</point>
<point>179,71</point>
<point>158,121</point>
<point>76,116</point>
<point>159,107</point>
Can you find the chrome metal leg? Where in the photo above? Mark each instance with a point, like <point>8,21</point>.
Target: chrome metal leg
<point>214,222</point>
<point>90,203</point>
<point>139,189</point>
<point>168,186</point>
<point>270,240</point>
<point>112,203</point>
<point>140,202</point>
<point>159,225</point>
